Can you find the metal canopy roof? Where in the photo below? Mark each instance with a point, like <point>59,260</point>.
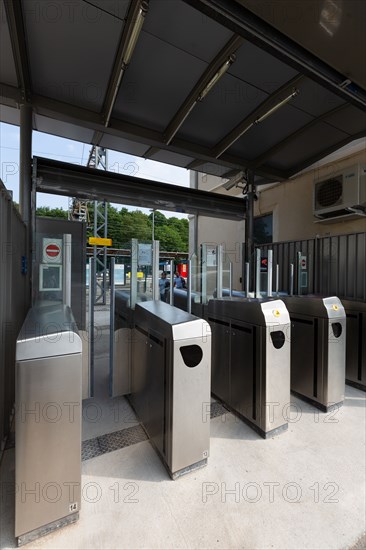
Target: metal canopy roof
<point>66,59</point>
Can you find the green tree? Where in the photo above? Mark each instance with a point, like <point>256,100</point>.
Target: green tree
<point>46,211</point>
<point>123,225</point>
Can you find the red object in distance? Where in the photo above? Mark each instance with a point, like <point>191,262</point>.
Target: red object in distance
<point>53,250</point>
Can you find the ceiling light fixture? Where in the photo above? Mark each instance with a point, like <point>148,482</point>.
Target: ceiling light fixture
<point>278,105</point>
<point>135,32</point>
<point>131,40</point>
<point>222,70</point>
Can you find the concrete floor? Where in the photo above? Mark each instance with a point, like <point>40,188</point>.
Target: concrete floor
<point>302,489</point>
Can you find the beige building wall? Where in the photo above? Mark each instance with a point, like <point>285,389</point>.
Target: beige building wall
<point>291,203</point>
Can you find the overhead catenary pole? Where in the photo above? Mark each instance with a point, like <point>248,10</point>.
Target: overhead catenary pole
<point>98,158</point>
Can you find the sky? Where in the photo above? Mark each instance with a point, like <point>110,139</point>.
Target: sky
<point>66,150</point>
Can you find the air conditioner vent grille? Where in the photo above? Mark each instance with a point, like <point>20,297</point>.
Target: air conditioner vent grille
<point>329,193</point>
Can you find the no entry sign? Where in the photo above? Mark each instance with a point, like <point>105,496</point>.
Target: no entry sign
<point>52,251</point>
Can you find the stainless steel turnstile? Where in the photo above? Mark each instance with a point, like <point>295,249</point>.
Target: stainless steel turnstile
<point>251,360</point>
<point>48,422</point>
<point>171,364</point>
<point>355,343</point>
<point>318,345</point>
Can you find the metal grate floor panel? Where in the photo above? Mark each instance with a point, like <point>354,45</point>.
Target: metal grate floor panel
<point>112,442</point>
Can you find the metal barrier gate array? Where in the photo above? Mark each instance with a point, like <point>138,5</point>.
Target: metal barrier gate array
<point>14,301</point>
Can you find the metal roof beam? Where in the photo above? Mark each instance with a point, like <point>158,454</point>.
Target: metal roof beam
<point>14,17</point>
<point>193,97</point>
<point>251,119</point>
<point>150,152</point>
<point>62,178</point>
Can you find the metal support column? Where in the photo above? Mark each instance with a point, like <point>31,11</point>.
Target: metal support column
<point>270,273</point>
<point>194,181</point>
<point>133,272</point>
<point>111,326</point>
<point>92,285</point>
<point>155,270</point>
<point>299,255</point>
<point>219,273</point>
<point>247,279</point>
<point>204,273</point>
<point>25,180</point>
<point>291,280</point>
<point>249,224</point>
<point>189,289</point>
<point>171,288</point>
<point>258,274</point>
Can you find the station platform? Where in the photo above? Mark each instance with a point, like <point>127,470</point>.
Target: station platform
<point>253,494</point>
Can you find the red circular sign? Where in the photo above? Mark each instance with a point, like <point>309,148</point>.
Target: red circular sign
<point>53,250</point>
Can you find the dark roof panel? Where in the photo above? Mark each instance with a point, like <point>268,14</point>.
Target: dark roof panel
<point>67,62</point>
<point>307,145</point>
<point>202,38</point>
<point>8,73</point>
<point>157,81</point>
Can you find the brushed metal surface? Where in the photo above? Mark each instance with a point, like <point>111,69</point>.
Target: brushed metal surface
<point>276,388</point>
<point>355,342</point>
<point>190,399</point>
<point>47,331</point>
<point>249,373</point>
<point>169,396</point>
<point>48,440</point>
<point>318,351</point>
<point>47,420</point>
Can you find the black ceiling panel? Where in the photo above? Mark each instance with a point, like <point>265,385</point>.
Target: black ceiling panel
<point>157,81</point>
<point>265,135</point>
<point>221,110</point>
<point>8,73</point>
<point>260,69</point>
<point>306,145</point>
<point>314,99</point>
<point>350,120</point>
<point>201,38</point>
<point>67,62</point>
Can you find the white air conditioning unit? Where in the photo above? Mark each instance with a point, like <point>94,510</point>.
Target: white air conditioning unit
<point>341,195</point>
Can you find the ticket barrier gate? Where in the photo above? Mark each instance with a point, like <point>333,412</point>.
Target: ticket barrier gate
<point>47,422</point>
<point>251,360</point>
<point>355,343</point>
<point>170,387</point>
<point>318,345</point>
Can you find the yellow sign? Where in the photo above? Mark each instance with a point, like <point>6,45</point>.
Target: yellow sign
<point>99,241</point>
<point>276,313</point>
<point>335,307</point>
